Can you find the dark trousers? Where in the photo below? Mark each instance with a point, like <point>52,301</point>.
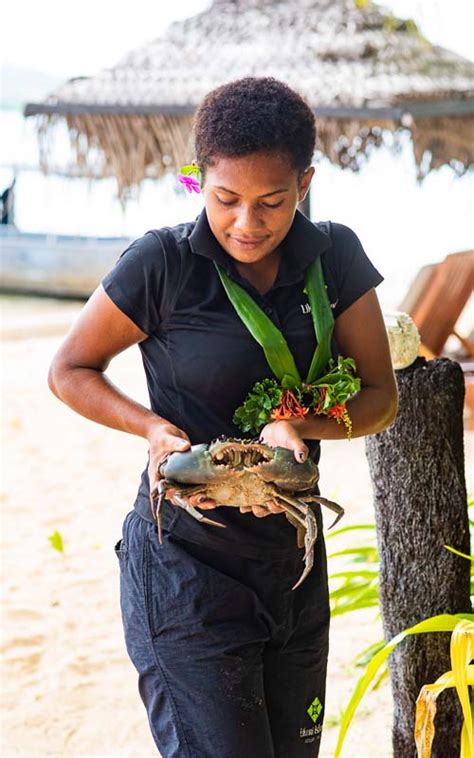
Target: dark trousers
<point>231,662</point>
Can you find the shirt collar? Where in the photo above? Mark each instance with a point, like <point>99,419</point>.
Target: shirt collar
<point>303,243</point>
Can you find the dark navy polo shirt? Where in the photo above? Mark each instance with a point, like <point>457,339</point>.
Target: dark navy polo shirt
<point>200,360</point>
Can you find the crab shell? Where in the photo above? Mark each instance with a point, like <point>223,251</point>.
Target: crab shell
<point>241,473</point>
<point>237,463</point>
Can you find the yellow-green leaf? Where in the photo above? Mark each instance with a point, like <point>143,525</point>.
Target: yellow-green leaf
<point>458,552</point>
<point>263,330</point>
<point>462,653</point>
<point>426,712</point>
<point>323,320</point>
<point>56,541</point>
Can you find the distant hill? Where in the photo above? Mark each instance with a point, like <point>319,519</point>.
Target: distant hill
<point>22,85</point>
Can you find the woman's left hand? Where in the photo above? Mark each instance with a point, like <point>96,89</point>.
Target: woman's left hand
<point>285,434</point>
<point>279,434</point>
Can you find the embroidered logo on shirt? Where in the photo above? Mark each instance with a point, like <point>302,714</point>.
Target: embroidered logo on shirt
<point>306,308</point>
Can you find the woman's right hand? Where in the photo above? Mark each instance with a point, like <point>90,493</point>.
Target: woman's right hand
<point>165,438</point>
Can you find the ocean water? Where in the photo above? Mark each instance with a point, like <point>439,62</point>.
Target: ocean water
<point>403,225</point>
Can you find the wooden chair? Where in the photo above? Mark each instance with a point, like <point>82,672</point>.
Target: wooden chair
<point>436,299</point>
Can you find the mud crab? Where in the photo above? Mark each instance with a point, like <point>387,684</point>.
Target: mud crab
<point>240,473</point>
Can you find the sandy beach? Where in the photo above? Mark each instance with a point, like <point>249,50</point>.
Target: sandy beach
<point>69,688</point>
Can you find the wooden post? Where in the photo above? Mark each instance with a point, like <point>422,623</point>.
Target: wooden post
<point>417,471</point>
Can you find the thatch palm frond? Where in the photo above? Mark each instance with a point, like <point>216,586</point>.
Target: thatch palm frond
<point>360,69</point>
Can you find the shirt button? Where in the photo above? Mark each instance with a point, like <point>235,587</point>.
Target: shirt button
<point>268,310</point>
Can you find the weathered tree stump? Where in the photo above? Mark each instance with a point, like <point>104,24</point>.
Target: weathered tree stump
<point>417,470</point>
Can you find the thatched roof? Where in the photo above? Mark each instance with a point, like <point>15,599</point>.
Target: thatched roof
<point>361,69</point>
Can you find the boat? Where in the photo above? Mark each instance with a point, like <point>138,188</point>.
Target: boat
<point>59,265</point>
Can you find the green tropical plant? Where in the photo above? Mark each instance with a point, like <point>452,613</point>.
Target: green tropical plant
<point>356,586</point>
<point>359,589</point>
<point>442,623</point>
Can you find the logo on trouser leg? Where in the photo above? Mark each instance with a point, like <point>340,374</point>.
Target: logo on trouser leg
<point>314,712</point>
<point>315,709</point>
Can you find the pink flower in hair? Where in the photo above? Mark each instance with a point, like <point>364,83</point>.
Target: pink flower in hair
<point>191,177</point>
<point>191,184</point>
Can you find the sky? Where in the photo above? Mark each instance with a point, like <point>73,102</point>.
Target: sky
<point>68,39</point>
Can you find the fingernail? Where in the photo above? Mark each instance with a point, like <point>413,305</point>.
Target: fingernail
<point>202,498</point>
<point>302,455</point>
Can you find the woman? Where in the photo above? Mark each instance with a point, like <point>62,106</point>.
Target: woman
<point>231,662</point>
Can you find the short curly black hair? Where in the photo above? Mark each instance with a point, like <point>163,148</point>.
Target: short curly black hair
<point>253,114</point>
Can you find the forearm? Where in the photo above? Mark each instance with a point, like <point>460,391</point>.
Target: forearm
<point>90,393</point>
<point>371,411</point>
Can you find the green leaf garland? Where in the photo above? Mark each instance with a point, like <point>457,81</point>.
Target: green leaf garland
<point>328,384</point>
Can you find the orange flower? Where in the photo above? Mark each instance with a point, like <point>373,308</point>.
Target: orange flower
<point>280,414</point>
<point>290,407</point>
<point>339,412</point>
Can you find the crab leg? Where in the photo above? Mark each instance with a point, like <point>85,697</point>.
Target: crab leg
<point>183,503</point>
<point>295,508</point>
<point>156,503</point>
<point>329,504</point>
<point>295,520</point>
<point>157,494</point>
<point>300,530</point>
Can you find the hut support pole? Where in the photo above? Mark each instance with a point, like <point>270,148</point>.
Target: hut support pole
<point>417,471</point>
